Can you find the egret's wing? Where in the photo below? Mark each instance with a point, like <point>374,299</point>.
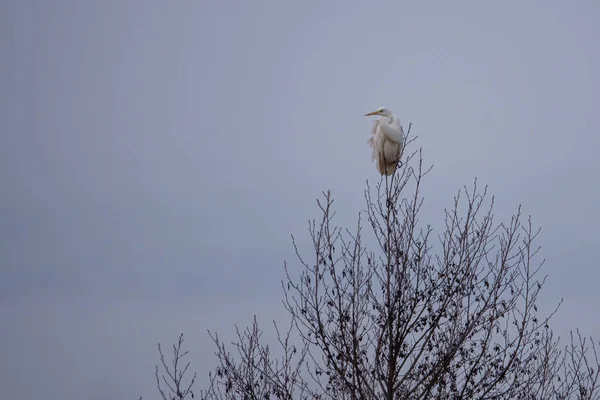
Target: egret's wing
<point>391,152</point>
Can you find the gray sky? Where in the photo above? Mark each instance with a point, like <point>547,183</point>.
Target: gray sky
<point>155,156</point>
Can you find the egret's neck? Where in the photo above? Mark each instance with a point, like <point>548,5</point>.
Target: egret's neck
<point>389,118</point>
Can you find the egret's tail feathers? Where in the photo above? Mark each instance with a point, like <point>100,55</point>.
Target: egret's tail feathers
<point>386,169</point>
<point>390,169</point>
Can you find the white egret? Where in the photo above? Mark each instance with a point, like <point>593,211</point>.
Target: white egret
<point>387,141</point>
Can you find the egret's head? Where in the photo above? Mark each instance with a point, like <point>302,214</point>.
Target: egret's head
<point>381,111</point>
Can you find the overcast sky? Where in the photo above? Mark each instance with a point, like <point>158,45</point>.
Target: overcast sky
<point>155,157</point>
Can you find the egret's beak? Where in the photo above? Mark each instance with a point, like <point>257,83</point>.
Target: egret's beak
<point>372,113</point>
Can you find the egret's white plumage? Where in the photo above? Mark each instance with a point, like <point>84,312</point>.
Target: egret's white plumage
<point>387,141</point>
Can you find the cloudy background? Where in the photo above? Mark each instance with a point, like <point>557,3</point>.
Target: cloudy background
<point>155,157</point>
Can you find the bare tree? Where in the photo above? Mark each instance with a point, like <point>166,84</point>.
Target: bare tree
<point>260,375</point>
<point>452,316</point>
<point>171,386</point>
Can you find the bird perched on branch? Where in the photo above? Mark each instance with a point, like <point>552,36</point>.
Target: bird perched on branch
<point>387,141</point>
